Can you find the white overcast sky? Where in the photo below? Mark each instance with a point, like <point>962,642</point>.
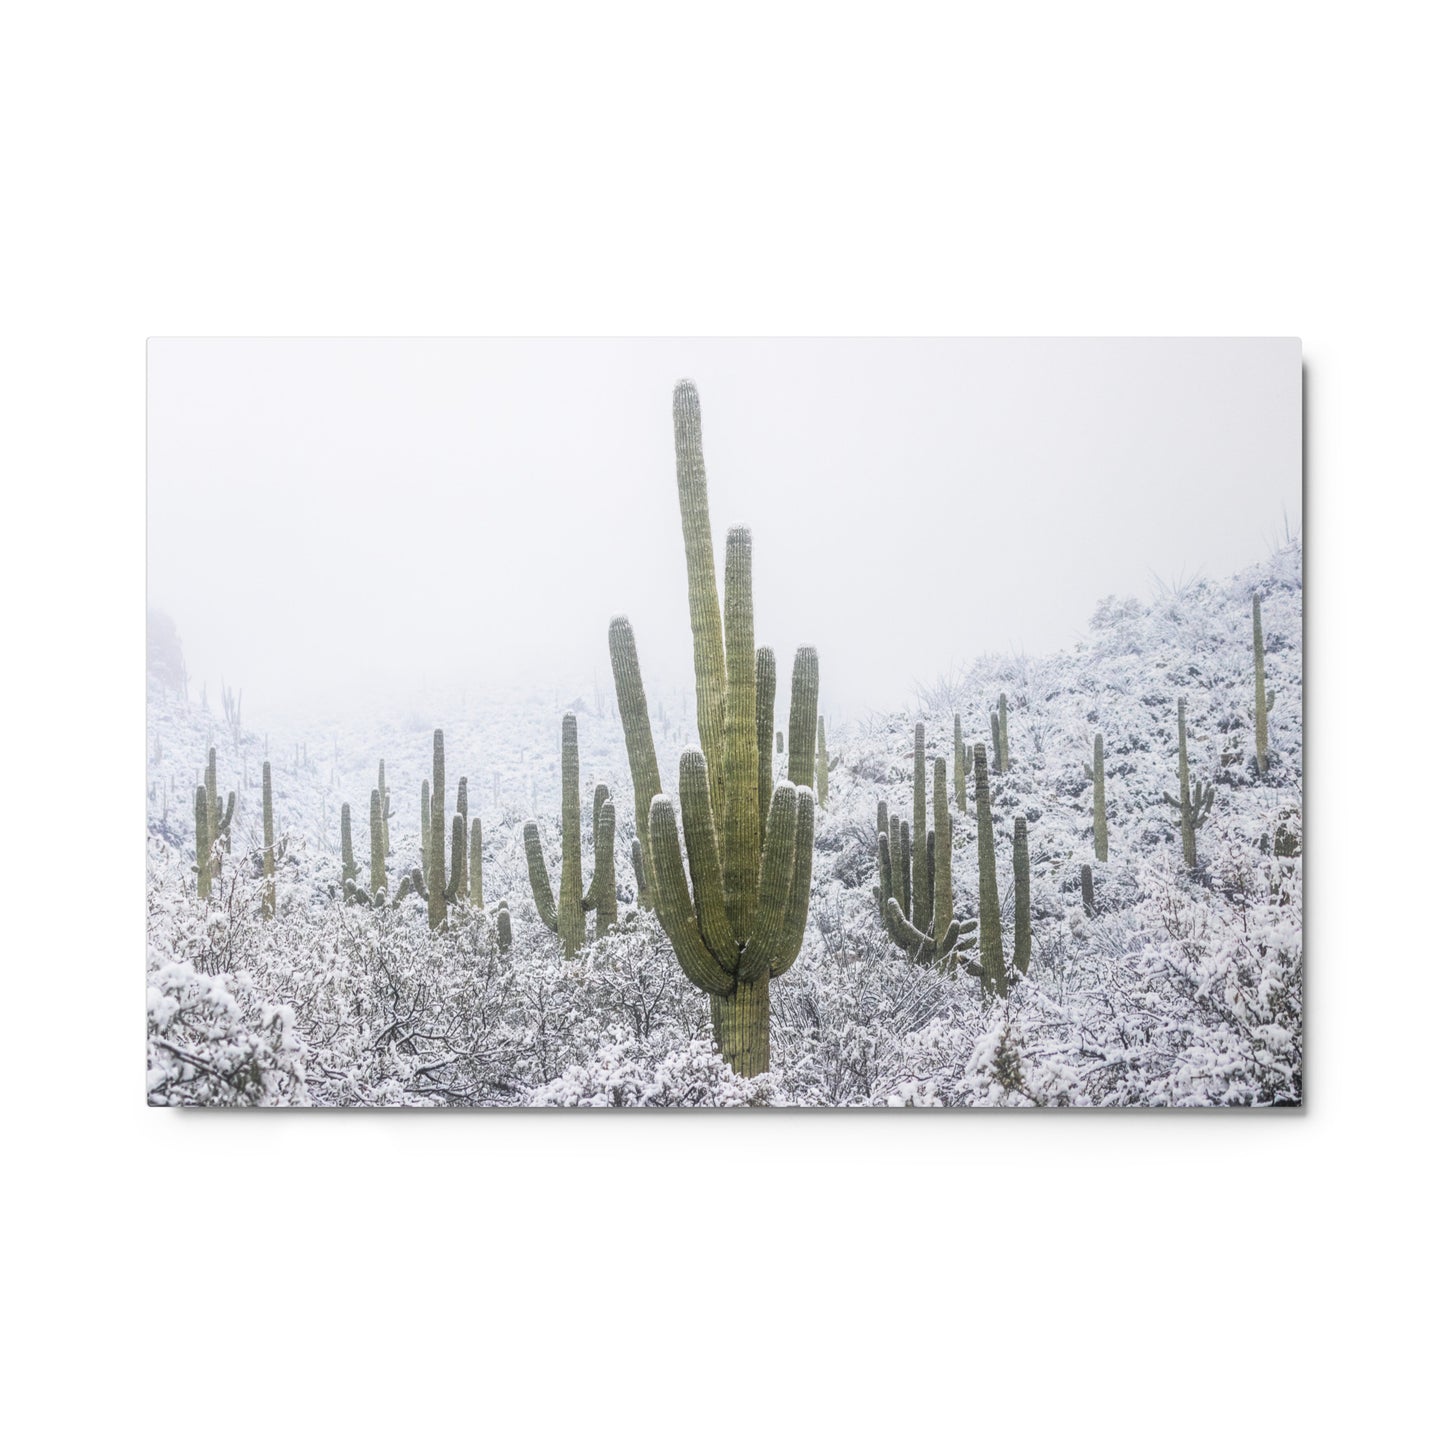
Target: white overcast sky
<point>328,518</point>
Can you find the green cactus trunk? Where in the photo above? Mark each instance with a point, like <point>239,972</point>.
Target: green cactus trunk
<point>571,922</point>
<point>1086,887</point>
<point>1262,699</point>
<point>1003,753</point>
<point>385,807</point>
<point>426,829</point>
<point>960,766</point>
<point>349,870</point>
<point>942,853</point>
<point>203,845</point>
<point>1023,923</point>
<point>268,831</point>
<point>990,924</point>
<point>767,671</point>
<point>604,871</point>
<point>436,883</point>
<point>378,849</point>
<point>504,928</point>
<point>741,922</point>
<point>922,915</point>
<point>1101,817</point>
<point>474,861</point>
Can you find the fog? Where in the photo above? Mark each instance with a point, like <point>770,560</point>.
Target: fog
<point>331,520</point>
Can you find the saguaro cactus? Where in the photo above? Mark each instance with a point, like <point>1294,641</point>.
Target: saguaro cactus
<point>386,808</point>
<point>565,914</point>
<point>378,846</point>
<point>780,739</point>
<point>1086,886</point>
<point>474,859</point>
<point>205,859</point>
<point>945,939</point>
<point>218,822</point>
<point>960,766</point>
<point>268,831</point>
<point>821,786</point>
<point>1263,700</point>
<point>1193,806</point>
<point>1095,775</point>
<point>998,722</point>
<point>740,924</point>
<point>992,967</point>
<point>349,871</point>
<point>922,874</point>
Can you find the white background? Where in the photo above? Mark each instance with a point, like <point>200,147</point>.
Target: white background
<point>1035,169</point>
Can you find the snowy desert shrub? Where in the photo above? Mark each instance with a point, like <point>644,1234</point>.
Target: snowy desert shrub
<point>621,1076</point>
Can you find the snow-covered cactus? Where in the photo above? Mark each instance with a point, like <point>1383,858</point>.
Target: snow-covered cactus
<point>998,722</point>
<point>349,870</point>
<point>218,822</point>
<point>386,808</point>
<point>821,786</point>
<point>436,880</point>
<point>992,967</point>
<point>565,914</point>
<point>504,927</point>
<point>1193,805</point>
<point>1095,774</point>
<point>961,758</point>
<point>1263,698</point>
<point>474,863</point>
<point>740,923</point>
<point>945,938</point>
<point>268,834</point>
<point>204,856</point>
<point>378,847</point>
<point>922,914</point>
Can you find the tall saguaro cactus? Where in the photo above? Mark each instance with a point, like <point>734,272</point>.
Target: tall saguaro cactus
<point>268,858</point>
<point>740,922</point>
<point>992,967</point>
<point>1193,805</point>
<point>566,914</point>
<point>1095,774</point>
<point>1263,699</point>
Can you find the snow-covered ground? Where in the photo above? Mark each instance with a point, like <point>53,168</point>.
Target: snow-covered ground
<point>1181,990</point>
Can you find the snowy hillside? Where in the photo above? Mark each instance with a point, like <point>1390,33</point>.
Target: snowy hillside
<point>1177,989</point>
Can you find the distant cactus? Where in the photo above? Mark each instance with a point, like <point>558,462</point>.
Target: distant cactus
<point>436,879</point>
<point>426,828</point>
<point>780,742</point>
<point>378,846</point>
<point>504,926</point>
<point>205,850</point>
<point>945,939</point>
<point>1192,805</point>
<point>992,967</point>
<point>1263,699</point>
<point>387,812</point>
<point>349,871</point>
<point>998,722</point>
<point>741,922</point>
<point>922,914</point>
<point>1086,885</point>
<point>1095,775</point>
<point>821,787</point>
<point>961,757</point>
<point>565,914</point>
<point>218,823</point>
<point>268,832</point>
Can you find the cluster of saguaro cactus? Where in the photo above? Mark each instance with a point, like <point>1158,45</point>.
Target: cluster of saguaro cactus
<point>993,967</point>
<point>1193,805</point>
<point>998,722</point>
<point>213,828</point>
<point>749,844</point>
<point>1263,698</point>
<point>268,857</point>
<point>565,914</point>
<point>1095,775</point>
<point>915,896</point>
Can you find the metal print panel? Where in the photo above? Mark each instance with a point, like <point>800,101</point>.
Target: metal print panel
<point>791,723</point>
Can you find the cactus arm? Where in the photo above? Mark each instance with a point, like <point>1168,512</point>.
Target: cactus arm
<point>739,791</point>
<point>803,718</point>
<point>637,734</point>
<point>800,889</point>
<point>904,855</point>
<point>767,685</point>
<point>709,665</point>
<point>885,875</point>
<point>538,877</point>
<point>904,934</point>
<point>770,923</point>
<point>708,886</point>
<point>821,787</point>
<point>459,854</point>
<point>674,906</point>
